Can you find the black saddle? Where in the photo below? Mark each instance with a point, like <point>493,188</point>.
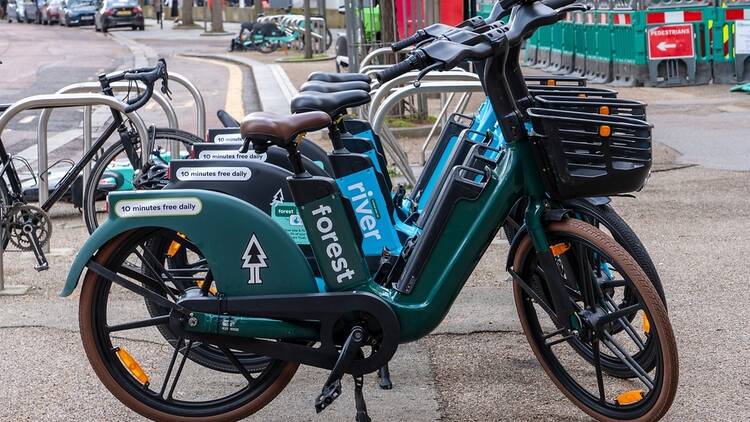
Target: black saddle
<point>334,103</point>
<point>320,86</point>
<point>338,77</point>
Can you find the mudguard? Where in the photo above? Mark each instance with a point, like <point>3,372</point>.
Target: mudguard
<point>247,252</point>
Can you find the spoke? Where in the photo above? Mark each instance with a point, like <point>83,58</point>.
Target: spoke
<point>160,320</point>
<point>626,325</point>
<point>620,313</point>
<point>237,364</point>
<point>179,370</point>
<point>628,360</point>
<point>558,341</point>
<point>613,283</point>
<point>136,274</point>
<point>171,367</point>
<point>585,283</point>
<point>159,273</point>
<point>135,288</point>
<point>598,366</point>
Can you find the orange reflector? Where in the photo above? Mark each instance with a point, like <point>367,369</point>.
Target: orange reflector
<point>175,246</point>
<point>605,131</point>
<point>551,82</point>
<point>582,95</point>
<point>211,290</point>
<point>629,397</point>
<point>132,366</point>
<point>646,323</point>
<point>604,110</point>
<point>559,248</point>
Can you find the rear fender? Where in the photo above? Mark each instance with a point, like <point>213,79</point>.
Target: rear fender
<point>248,253</point>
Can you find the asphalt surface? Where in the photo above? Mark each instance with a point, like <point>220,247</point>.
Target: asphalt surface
<point>477,366</point>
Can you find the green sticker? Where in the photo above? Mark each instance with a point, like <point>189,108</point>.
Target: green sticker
<point>286,215</point>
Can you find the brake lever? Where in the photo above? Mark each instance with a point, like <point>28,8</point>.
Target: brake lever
<point>425,71</point>
<point>165,88</point>
<point>576,7</point>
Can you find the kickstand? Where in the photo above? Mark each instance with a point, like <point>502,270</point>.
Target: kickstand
<point>384,378</point>
<point>359,400</point>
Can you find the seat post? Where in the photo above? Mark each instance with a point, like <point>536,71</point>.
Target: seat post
<point>335,132</point>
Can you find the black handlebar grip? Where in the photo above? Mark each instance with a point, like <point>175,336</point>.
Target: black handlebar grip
<point>416,38</point>
<point>395,71</point>
<point>556,4</point>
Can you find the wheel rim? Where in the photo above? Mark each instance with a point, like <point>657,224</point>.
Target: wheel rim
<point>170,391</point>
<point>548,343</point>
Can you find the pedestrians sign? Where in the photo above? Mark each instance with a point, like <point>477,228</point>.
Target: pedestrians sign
<point>670,42</point>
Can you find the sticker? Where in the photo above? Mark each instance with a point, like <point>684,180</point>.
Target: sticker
<point>228,174</point>
<point>286,215</point>
<point>742,37</point>
<point>254,259</point>
<point>229,137</point>
<point>277,197</point>
<point>160,207</point>
<point>231,154</point>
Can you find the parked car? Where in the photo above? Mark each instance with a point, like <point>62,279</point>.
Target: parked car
<point>31,10</point>
<point>118,14</point>
<point>51,10</point>
<point>78,12</point>
<point>15,11</point>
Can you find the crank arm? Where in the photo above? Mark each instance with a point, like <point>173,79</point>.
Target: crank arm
<point>41,261</point>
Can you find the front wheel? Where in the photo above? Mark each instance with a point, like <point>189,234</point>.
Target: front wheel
<point>113,171</point>
<point>150,374</point>
<point>576,361</point>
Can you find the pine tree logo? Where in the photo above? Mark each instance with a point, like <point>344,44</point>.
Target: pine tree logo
<point>254,259</point>
<point>278,197</point>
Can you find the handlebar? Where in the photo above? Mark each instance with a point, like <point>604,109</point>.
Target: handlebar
<point>146,75</point>
<point>410,63</point>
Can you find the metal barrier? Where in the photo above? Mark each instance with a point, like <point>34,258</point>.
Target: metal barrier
<point>200,104</point>
<point>93,87</point>
<point>378,122</point>
<point>37,102</point>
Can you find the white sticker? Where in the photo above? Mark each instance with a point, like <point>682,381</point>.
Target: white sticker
<point>254,259</point>
<point>227,174</point>
<point>742,37</point>
<point>278,197</point>
<point>224,138</point>
<point>231,155</point>
<point>160,207</point>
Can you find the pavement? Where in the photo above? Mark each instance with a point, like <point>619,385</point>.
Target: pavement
<point>695,221</point>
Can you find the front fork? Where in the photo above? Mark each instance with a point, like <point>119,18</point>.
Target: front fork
<point>564,313</point>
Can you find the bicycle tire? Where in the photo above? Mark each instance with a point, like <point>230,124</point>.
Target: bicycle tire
<point>91,194</point>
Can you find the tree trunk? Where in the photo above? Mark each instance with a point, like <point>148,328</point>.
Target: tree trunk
<point>308,31</point>
<point>217,20</point>
<point>187,13</point>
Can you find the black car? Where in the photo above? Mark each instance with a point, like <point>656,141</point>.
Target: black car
<point>78,12</point>
<point>118,14</point>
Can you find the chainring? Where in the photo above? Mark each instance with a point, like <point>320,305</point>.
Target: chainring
<point>24,219</point>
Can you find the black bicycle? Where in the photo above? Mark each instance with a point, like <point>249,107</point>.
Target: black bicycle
<point>28,226</point>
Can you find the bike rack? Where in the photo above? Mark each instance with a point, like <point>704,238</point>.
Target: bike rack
<point>382,51</point>
<point>93,87</point>
<point>200,104</point>
<point>378,121</point>
<point>57,101</point>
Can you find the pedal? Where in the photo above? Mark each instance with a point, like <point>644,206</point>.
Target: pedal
<point>332,388</point>
<point>384,378</point>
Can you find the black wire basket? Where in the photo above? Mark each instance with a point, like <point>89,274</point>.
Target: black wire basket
<point>587,154</point>
<point>568,90</point>
<point>605,106</point>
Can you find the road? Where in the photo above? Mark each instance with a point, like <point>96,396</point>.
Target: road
<point>477,366</point>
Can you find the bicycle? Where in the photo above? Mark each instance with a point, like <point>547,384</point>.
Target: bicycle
<point>257,294</point>
<point>28,226</point>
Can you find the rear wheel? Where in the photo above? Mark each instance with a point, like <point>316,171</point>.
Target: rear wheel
<point>114,160</point>
<point>576,361</point>
<point>147,373</point>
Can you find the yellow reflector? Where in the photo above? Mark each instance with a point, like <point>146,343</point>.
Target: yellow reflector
<point>212,290</point>
<point>646,323</point>
<point>132,366</point>
<point>175,246</point>
<point>605,131</point>
<point>629,397</point>
<point>559,248</point>
<point>551,82</point>
<point>604,110</point>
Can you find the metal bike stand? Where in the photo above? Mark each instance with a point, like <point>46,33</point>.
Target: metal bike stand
<point>378,121</point>
<point>57,101</point>
<point>94,87</point>
<point>200,104</point>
